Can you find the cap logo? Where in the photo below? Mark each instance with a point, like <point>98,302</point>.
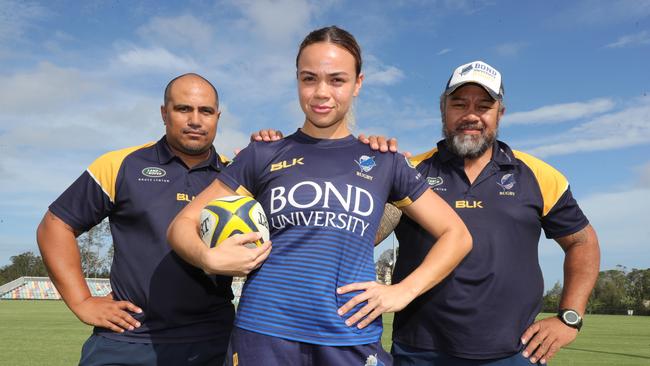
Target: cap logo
<point>486,68</point>
<point>467,69</point>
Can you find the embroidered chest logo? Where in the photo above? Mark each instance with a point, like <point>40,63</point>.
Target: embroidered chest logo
<point>435,183</point>
<point>365,163</point>
<point>507,183</point>
<point>287,164</point>
<point>153,174</point>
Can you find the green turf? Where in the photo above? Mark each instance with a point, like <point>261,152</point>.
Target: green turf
<point>40,333</point>
<point>46,333</point>
<point>611,340</point>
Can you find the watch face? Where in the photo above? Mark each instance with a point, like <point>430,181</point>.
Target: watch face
<point>571,317</point>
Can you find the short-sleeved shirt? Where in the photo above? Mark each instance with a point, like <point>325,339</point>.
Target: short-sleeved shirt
<point>483,307</point>
<point>141,189</point>
<point>324,199</point>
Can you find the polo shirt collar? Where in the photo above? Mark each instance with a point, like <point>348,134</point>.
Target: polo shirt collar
<point>445,154</point>
<point>166,155</point>
<point>501,154</point>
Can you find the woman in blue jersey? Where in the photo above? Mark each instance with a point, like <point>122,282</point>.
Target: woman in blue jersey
<point>324,194</point>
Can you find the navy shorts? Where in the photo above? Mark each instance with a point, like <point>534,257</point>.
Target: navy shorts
<point>255,349</point>
<point>404,355</point>
<point>100,350</point>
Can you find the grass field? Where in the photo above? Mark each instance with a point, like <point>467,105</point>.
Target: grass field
<point>46,333</point>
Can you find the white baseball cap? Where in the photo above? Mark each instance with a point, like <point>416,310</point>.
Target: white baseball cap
<point>477,72</point>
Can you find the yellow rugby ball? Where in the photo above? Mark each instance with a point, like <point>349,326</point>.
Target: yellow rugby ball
<point>224,217</point>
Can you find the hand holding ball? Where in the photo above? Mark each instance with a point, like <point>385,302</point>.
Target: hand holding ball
<point>226,216</point>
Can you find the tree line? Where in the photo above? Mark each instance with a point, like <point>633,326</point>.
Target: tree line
<point>95,250</point>
<point>616,292</point>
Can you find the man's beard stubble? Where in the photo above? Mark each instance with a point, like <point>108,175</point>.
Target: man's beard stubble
<point>469,146</point>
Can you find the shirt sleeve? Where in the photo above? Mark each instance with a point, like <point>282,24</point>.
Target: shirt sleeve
<point>564,218</point>
<point>408,184</point>
<point>240,174</point>
<point>83,205</point>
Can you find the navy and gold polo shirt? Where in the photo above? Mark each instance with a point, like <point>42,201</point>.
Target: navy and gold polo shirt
<point>141,189</point>
<point>483,307</point>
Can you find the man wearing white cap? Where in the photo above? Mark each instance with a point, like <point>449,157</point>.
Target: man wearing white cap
<point>484,312</point>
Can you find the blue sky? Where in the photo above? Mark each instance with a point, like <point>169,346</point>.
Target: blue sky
<point>80,78</point>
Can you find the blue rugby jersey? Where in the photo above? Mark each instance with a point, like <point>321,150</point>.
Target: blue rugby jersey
<point>324,200</point>
<point>141,189</point>
<point>483,307</point>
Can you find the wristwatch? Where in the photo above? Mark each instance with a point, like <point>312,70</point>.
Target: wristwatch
<point>570,317</point>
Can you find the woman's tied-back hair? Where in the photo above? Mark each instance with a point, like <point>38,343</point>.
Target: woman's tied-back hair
<point>337,36</point>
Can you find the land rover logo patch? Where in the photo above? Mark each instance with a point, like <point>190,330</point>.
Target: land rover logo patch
<point>154,172</point>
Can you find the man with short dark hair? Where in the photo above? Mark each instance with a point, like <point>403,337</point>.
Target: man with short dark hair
<point>484,312</point>
<point>162,311</point>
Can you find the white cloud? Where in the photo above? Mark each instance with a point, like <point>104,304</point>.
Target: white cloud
<point>47,88</point>
<point>277,21</point>
<point>377,73</point>
<point>637,39</point>
<point>416,126</point>
<point>644,175</point>
<point>560,112</point>
<point>58,41</point>
<point>178,32</point>
<point>156,59</point>
<point>16,17</point>
<point>625,128</point>
<point>443,51</point>
<point>510,49</point>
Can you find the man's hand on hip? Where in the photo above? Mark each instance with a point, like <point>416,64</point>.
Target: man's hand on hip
<point>545,337</point>
<point>107,313</point>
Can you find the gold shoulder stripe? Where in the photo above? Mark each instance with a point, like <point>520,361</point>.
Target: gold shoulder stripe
<point>224,160</point>
<point>243,191</point>
<point>417,159</point>
<point>104,169</point>
<point>551,182</point>
<point>403,202</point>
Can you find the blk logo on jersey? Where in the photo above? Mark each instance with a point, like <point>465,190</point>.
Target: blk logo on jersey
<point>468,204</point>
<point>287,164</point>
<point>184,197</point>
<point>288,206</point>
